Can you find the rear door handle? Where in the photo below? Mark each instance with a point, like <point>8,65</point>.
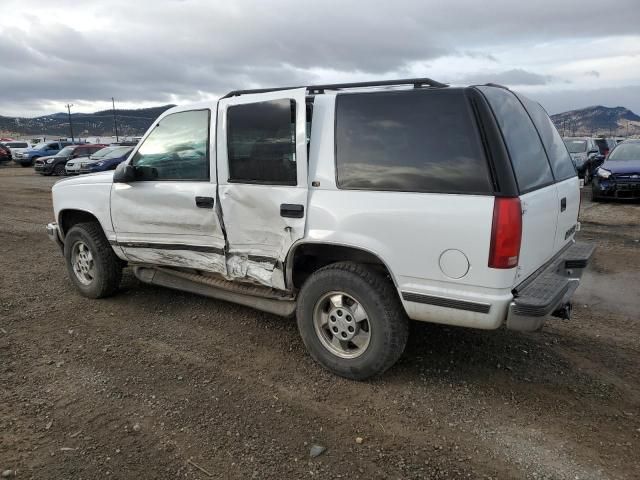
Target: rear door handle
<point>291,210</point>
<point>205,202</point>
<point>563,204</point>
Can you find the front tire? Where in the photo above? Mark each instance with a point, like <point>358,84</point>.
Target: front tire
<point>351,320</point>
<point>93,267</point>
<point>58,170</point>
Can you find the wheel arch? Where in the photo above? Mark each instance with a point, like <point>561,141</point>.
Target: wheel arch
<point>69,217</point>
<point>304,258</point>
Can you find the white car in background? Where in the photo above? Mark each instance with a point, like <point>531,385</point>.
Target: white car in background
<point>72,167</point>
<point>17,146</point>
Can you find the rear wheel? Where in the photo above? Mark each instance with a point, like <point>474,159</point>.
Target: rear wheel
<point>351,320</point>
<point>93,267</point>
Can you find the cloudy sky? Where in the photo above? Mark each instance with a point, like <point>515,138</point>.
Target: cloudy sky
<point>564,53</point>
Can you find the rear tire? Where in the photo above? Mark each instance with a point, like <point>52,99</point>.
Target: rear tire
<point>342,296</point>
<point>93,267</point>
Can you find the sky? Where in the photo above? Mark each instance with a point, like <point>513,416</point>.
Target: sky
<point>564,53</point>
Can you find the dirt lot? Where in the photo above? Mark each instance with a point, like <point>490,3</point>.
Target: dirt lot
<point>152,382</point>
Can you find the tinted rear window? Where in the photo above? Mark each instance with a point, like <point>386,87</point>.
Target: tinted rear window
<point>411,141</point>
<point>525,149</point>
<point>559,157</point>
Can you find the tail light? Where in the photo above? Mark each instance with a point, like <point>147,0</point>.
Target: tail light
<point>506,233</point>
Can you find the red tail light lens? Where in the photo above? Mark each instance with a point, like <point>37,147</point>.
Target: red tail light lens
<point>506,233</point>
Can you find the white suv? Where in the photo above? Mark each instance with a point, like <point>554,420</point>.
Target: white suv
<point>355,207</point>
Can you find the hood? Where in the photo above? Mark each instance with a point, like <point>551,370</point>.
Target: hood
<point>90,179</point>
<point>46,158</point>
<point>622,167</point>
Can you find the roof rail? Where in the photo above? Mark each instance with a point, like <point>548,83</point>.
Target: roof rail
<point>319,89</point>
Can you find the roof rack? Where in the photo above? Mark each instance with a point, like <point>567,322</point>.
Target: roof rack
<point>319,89</point>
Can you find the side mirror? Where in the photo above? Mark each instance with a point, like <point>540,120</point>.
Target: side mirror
<point>124,173</point>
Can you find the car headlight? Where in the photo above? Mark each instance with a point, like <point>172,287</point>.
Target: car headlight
<point>602,173</point>
<point>50,160</point>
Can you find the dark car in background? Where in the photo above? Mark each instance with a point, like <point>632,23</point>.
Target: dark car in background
<point>55,165</point>
<point>583,151</point>
<point>619,174</point>
<point>108,162</point>
<point>27,157</point>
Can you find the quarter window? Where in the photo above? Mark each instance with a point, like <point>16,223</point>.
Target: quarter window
<point>177,148</point>
<point>525,149</point>
<point>410,141</point>
<point>261,142</point>
<point>559,157</point>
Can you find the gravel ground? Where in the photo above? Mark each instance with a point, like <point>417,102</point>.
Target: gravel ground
<point>154,383</point>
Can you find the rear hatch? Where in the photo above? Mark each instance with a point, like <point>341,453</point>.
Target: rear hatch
<point>545,176</point>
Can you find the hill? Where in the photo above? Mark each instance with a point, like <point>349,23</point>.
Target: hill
<point>598,120</point>
<point>130,122</point>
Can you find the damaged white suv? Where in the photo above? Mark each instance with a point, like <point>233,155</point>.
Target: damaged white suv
<point>355,207</point>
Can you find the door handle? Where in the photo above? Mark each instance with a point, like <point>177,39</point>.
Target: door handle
<point>563,204</point>
<point>291,210</point>
<point>204,202</point>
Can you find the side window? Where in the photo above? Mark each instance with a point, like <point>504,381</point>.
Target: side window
<point>53,146</point>
<point>177,148</point>
<point>409,141</point>
<point>559,157</point>
<point>261,142</point>
<point>527,155</point>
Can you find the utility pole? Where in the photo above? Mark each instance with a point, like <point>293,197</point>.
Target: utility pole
<point>69,105</point>
<point>115,119</point>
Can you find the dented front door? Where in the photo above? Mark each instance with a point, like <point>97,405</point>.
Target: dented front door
<point>262,178</point>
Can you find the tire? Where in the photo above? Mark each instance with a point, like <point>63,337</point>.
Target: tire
<point>58,170</point>
<point>106,271</point>
<point>387,323</point>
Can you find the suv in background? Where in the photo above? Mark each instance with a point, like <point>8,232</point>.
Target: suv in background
<point>5,153</point>
<point>582,150</point>
<point>27,157</point>
<point>55,164</point>
<point>16,146</point>
<point>353,210</point>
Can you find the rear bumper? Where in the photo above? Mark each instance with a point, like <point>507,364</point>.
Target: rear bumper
<point>549,290</point>
<point>53,233</point>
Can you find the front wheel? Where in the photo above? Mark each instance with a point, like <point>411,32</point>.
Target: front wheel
<point>93,267</point>
<point>351,320</point>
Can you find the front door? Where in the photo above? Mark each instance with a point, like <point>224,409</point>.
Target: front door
<point>262,176</point>
<point>167,216</point>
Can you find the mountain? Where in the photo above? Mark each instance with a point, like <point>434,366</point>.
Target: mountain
<point>598,120</point>
<point>130,122</point>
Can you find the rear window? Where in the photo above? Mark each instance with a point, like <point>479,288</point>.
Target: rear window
<point>560,159</point>
<point>528,158</point>
<point>17,145</point>
<point>410,141</point>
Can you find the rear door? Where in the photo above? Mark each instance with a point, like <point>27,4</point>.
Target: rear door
<point>567,183</point>
<point>262,176</point>
<point>538,192</point>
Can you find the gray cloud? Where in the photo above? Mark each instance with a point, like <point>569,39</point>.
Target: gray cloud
<point>152,51</point>
<point>513,77</point>
<point>592,73</point>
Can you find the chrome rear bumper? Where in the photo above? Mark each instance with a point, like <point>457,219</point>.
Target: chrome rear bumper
<point>54,234</point>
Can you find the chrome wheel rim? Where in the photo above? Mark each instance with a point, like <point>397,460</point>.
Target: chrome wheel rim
<point>82,262</point>
<point>342,324</point>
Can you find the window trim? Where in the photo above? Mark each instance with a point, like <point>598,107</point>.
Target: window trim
<point>504,141</point>
<point>236,181</point>
<point>474,122</point>
<point>208,154</point>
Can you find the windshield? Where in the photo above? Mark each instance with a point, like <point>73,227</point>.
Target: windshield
<point>101,153</point>
<point>117,152</point>
<point>576,146</point>
<point>65,152</point>
<point>626,152</point>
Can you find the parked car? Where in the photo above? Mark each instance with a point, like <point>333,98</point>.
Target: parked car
<point>55,164</point>
<point>72,166</point>
<point>28,157</point>
<point>356,211</point>
<point>582,150</point>
<point>5,153</point>
<point>619,175</point>
<point>110,161</point>
<point>16,146</point>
